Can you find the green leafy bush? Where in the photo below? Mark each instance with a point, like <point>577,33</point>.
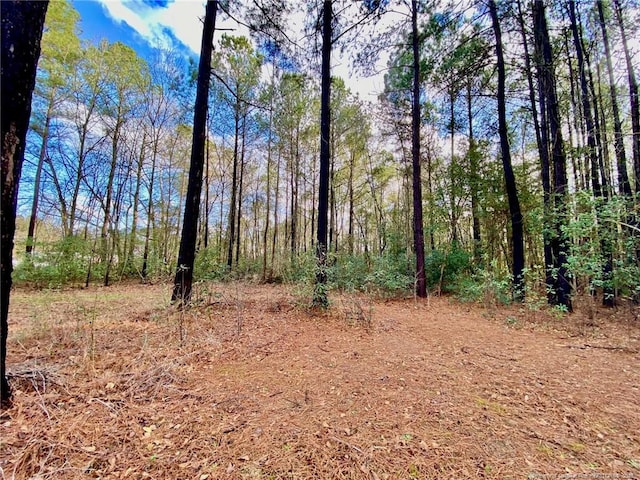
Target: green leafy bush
<point>56,264</point>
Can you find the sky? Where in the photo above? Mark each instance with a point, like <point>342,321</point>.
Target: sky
<point>148,24</point>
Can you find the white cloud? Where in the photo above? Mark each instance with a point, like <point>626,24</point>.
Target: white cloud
<point>183,19</point>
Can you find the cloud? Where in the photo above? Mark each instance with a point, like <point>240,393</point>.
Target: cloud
<point>159,22</point>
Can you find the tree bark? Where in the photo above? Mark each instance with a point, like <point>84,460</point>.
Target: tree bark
<point>320,298</point>
<point>634,100</point>
<point>22,25</point>
<point>542,142</point>
<point>183,281</point>
<point>418,229</point>
<point>36,182</point>
<point>517,232</point>
<point>561,292</point>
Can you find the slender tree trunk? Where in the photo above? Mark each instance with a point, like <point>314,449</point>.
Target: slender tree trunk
<point>452,169</point>
<point>36,182</point>
<point>207,181</point>
<point>599,185</point>
<point>240,187</point>
<point>517,231</point>
<point>22,24</point>
<point>104,234</point>
<point>276,195</point>
<point>320,298</point>
<point>592,151</point>
<point>352,161</point>
<point>474,180</point>
<point>561,292</point>
<point>418,229</point>
<point>83,132</point>
<point>542,142</point>
<point>147,236</point>
<point>265,235</point>
<point>634,100</point>
<point>234,188</point>
<point>186,257</point>
<point>136,201</point>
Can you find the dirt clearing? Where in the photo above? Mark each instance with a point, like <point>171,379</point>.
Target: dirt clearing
<point>113,383</point>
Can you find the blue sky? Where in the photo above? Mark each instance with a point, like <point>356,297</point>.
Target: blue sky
<point>175,24</point>
<point>143,24</point>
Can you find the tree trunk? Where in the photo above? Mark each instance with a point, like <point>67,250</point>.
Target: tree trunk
<point>234,188</point>
<point>147,235</point>
<point>320,298</point>
<point>186,257</point>
<point>240,187</point>
<point>136,201</point>
<point>265,235</point>
<point>474,181</point>
<point>36,182</point>
<point>634,100</point>
<point>542,142</point>
<point>105,250</point>
<point>599,185</point>
<point>517,232</point>
<point>560,294</point>
<point>418,229</point>
<point>22,24</point>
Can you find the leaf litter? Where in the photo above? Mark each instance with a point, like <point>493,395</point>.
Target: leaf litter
<point>249,384</point>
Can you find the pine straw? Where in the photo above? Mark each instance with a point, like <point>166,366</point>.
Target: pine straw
<point>248,385</point>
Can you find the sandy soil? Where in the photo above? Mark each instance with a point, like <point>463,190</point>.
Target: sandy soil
<point>114,383</point>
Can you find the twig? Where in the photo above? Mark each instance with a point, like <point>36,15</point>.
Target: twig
<point>357,449</point>
<point>603,347</point>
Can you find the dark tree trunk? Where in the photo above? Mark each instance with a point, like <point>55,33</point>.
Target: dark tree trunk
<point>561,292</point>
<point>475,181</point>
<point>240,187</point>
<point>592,151</point>
<point>186,257</point>
<point>517,233</point>
<point>418,229</point>
<point>542,142</point>
<point>234,188</point>
<point>633,96</point>
<point>22,24</point>
<point>598,175</point>
<point>320,298</point>
<point>265,235</point>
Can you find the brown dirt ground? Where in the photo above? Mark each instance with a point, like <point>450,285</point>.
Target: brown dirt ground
<point>114,383</point>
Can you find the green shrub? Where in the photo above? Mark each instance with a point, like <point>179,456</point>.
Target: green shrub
<point>56,264</point>
<point>444,267</point>
<point>208,265</point>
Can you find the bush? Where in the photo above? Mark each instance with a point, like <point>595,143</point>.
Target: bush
<point>444,267</point>
<point>391,274</point>
<point>208,265</point>
<point>57,264</point>
<point>484,286</point>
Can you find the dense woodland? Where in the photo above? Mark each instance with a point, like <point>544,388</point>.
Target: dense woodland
<point>519,174</point>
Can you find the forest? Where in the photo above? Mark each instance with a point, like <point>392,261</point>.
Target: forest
<point>528,160</point>
<point>228,211</point>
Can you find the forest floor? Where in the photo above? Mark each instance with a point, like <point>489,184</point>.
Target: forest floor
<point>115,383</point>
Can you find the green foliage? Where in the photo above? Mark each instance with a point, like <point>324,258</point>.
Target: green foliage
<point>596,223</point>
<point>58,264</point>
<point>208,265</point>
<point>486,286</point>
<point>301,269</point>
<point>444,267</point>
<point>391,275</point>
